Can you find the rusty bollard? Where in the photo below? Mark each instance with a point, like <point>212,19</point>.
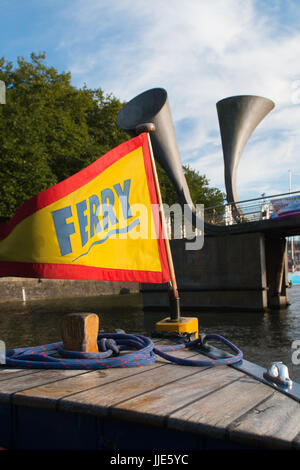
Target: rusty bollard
<point>79,332</point>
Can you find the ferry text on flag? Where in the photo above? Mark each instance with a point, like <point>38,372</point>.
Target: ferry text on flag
<point>98,224</point>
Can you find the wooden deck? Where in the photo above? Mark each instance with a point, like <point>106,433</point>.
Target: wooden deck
<point>162,406</point>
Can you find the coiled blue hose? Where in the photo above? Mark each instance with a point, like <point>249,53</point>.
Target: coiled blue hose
<point>143,353</point>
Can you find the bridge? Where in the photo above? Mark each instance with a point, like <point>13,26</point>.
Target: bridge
<point>255,215</point>
<point>243,262</point>
<point>241,267</point>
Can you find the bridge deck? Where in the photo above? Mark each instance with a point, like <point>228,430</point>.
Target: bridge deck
<point>162,406</point>
<point>279,227</point>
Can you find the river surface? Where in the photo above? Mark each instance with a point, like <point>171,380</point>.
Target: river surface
<point>263,337</point>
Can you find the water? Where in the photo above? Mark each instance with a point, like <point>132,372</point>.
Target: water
<point>294,278</point>
<point>263,337</point>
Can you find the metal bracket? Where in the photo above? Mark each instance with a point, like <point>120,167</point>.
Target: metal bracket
<point>278,373</point>
<point>257,372</point>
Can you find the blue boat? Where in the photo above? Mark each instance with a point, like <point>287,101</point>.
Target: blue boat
<point>294,278</point>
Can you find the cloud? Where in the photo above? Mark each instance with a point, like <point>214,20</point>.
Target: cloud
<point>199,52</point>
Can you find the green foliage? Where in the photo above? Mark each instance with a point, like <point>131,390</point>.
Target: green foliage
<point>198,185</point>
<point>49,130</point>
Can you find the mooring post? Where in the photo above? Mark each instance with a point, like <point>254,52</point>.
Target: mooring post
<point>79,332</point>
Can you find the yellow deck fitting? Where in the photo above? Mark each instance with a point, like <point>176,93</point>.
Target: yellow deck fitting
<point>185,325</point>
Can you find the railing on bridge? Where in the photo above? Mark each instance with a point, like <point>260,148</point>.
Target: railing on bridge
<point>252,210</point>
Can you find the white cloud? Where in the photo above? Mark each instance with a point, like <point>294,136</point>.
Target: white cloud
<point>199,52</point>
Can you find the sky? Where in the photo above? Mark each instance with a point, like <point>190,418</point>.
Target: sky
<point>200,51</point>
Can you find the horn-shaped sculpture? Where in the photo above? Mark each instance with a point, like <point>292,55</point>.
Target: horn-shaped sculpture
<point>153,106</point>
<point>238,117</point>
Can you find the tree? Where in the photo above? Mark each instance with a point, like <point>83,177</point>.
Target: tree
<point>199,188</point>
<point>49,130</point>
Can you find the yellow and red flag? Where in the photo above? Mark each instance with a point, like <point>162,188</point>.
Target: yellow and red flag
<point>99,224</point>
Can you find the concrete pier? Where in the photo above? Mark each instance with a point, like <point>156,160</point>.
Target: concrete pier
<point>236,272</point>
<point>16,288</point>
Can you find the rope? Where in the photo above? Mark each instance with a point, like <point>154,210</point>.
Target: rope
<point>53,356</point>
<point>200,342</point>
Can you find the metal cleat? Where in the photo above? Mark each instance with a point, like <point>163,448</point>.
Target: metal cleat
<point>279,374</point>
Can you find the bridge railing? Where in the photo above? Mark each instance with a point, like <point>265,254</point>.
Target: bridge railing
<point>250,210</point>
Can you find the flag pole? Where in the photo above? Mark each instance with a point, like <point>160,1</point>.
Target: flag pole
<point>173,293</point>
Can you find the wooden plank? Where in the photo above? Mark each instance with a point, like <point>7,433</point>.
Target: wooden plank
<point>154,406</point>
<point>274,423</point>
<point>8,373</point>
<point>211,415</point>
<point>9,387</point>
<point>219,402</point>
<point>98,400</point>
<point>48,394</point>
<point>162,341</point>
